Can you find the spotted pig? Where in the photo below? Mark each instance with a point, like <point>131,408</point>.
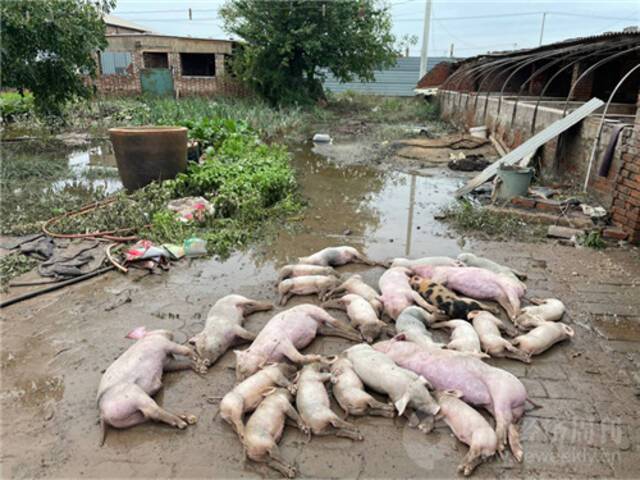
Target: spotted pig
<point>444,299</point>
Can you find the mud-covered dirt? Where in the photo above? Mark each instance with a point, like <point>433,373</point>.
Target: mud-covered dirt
<point>55,348</point>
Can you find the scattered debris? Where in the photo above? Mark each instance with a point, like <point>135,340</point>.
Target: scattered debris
<point>468,163</point>
<point>479,132</point>
<point>195,247</point>
<point>531,145</point>
<point>190,209</point>
<point>556,231</point>
<point>593,212</point>
<point>322,138</point>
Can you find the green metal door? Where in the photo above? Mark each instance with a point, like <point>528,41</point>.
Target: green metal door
<point>156,81</point>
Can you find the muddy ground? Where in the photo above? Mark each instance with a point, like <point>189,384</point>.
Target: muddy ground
<point>55,348</point>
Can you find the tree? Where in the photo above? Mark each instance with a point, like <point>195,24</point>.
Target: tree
<point>290,44</point>
<point>48,45</point>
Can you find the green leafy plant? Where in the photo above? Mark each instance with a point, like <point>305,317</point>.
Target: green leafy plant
<point>47,46</point>
<point>14,105</point>
<point>592,239</point>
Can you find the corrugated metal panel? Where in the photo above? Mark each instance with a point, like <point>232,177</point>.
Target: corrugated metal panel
<point>531,145</point>
<point>399,80</point>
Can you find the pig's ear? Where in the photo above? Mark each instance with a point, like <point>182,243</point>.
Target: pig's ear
<point>401,337</point>
<point>454,393</point>
<point>266,393</point>
<point>402,403</point>
<point>425,382</point>
<point>137,333</point>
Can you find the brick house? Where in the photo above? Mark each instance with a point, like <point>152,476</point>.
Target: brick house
<point>139,61</point>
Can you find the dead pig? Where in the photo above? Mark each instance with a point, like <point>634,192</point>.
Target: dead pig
<point>335,256</point>
<point>125,390</point>
<point>495,389</point>
<point>248,394</point>
<point>306,285</point>
<point>469,427</point>
<point>223,328</point>
<point>433,261</point>
<point>361,315</point>
<point>464,337</point>
<point>350,394</point>
<point>406,389</point>
<point>264,430</point>
<point>478,283</point>
<point>285,334</point>
<point>354,284</point>
<point>543,337</point>
<point>488,328</point>
<point>411,323</point>
<point>471,260</point>
<point>397,293</point>
<point>441,297</point>
<point>547,310</point>
<point>312,401</point>
<point>291,271</point>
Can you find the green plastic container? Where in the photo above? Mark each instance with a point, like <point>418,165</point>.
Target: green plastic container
<point>515,182</point>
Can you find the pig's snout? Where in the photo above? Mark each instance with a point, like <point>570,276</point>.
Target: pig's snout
<point>330,360</point>
<point>568,330</point>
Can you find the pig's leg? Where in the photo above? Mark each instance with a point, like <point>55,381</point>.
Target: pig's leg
<point>470,462</point>
<point>183,350</point>
<point>360,258</point>
<point>380,409</point>
<point>284,298</point>
<point>515,353</point>
<point>278,462</point>
<point>151,410</point>
<point>344,429</point>
<point>231,410</point>
<point>292,353</point>
<point>327,325</point>
<point>514,442</point>
<point>503,301</point>
<point>340,330</point>
<point>243,334</point>
<point>293,415</point>
<point>335,292</point>
<point>176,364</point>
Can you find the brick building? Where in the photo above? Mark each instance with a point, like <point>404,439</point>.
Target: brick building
<point>139,61</point>
<point>517,94</point>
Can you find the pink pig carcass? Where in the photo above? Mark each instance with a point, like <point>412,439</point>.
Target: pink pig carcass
<point>397,293</point>
<point>124,393</point>
<point>286,333</point>
<point>495,389</point>
<point>478,283</point>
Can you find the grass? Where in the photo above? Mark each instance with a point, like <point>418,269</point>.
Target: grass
<point>465,217</point>
<point>12,265</point>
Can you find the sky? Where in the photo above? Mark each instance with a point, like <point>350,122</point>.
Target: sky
<point>495,25</point>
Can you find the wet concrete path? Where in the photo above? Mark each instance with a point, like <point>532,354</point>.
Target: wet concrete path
<point>55,348</point>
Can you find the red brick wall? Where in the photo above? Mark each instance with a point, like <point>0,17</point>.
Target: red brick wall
<point>435,76</point>
<point>626,198</point>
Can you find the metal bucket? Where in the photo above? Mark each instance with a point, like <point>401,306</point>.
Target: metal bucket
<point>147,154</point>
<point>515,182</point>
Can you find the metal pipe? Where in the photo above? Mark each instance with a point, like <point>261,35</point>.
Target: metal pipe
<point>596,142</point>
<point>589,70</point>
<point>555,75</point>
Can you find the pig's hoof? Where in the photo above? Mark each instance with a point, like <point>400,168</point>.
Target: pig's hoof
<point>190,419</point>
<point>181,424</point>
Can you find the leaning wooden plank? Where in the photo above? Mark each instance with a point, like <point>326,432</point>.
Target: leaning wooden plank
<point>531,145</point>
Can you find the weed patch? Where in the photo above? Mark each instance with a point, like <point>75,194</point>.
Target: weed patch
<point>12,265</point>
<point>465,217</point>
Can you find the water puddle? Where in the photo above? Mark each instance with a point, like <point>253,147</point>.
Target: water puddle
<point>383,212</point>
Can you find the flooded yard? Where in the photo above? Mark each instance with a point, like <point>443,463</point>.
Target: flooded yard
<point>55,347</point>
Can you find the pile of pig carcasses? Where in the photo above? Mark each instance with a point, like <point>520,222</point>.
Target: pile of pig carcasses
<point>422,379</point>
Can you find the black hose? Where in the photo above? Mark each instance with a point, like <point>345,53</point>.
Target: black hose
<point>57,286</point>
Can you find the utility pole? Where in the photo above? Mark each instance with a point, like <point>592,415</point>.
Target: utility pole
<point>425,39</point>
<point>544,16</point>
<point>451,50</point>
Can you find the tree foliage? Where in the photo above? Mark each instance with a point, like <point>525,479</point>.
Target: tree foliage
<point>289,44</point>
<point>47,46</point>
